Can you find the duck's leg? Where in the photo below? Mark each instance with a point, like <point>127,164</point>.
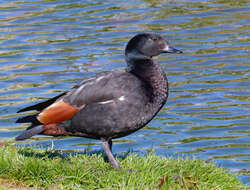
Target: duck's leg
<point>110,144</point>
<point>107,147</point>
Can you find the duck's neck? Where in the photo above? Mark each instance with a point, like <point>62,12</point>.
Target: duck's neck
<point>150,72</point>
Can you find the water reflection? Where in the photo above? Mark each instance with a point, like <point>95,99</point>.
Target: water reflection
<point>48,46</point>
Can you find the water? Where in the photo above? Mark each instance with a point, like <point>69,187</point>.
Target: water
<point>48,46</point>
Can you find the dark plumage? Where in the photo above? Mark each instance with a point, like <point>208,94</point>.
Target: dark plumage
<point>110,105</point>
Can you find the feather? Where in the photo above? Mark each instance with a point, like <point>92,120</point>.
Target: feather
<point>29,133</point>
<point>40,106</point>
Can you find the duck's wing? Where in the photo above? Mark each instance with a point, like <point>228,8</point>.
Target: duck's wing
<point>66,105</point>
<point>94,90</point>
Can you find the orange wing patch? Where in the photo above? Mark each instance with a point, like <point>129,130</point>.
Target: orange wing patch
<point>57,112</point>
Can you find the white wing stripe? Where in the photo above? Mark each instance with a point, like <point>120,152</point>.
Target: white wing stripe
<point>106,102</point>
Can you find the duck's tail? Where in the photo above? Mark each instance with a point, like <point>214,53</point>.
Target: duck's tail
<point>30,132</point>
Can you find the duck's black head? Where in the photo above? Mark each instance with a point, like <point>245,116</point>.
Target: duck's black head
<point>146,45</point>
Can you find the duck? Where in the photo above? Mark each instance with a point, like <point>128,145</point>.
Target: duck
<point>111,104</point>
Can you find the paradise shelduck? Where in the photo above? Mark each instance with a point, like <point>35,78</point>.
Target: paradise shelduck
<point>111,104</point>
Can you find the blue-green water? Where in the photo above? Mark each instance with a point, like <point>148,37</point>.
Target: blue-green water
<point>48,46</point>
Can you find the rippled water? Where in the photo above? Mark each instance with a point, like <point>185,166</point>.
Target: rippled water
<point>48,46</point>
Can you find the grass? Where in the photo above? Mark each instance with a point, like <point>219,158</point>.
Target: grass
<point>28,168</point>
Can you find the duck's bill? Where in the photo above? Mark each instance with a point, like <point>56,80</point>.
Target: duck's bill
<point>169,49</point>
